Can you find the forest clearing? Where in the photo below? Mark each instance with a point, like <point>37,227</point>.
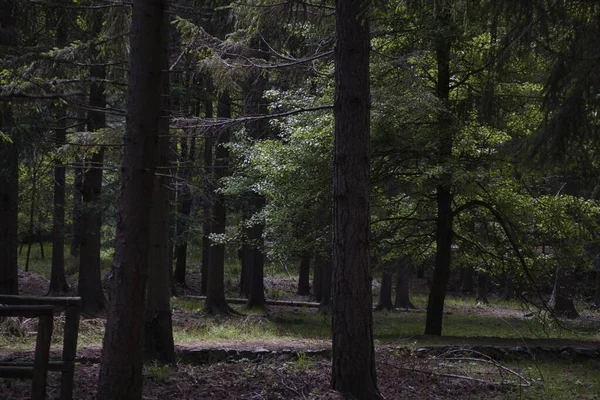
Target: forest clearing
<point>290,199</point>
<point>502,350</point>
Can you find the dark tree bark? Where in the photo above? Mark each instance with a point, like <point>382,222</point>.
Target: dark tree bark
<point>317,283</point>
<point>304,276</point>
<point>482,288</point>
<point>121,366</point>
<point>385,294</point>
<point>215,282</point>
<point>325,263</point>
<point>467,283</point>
<point>402,285</point>
<point>353,364</point>
<point>509,291</point>
<point>256,104</point>
<point>444,219</point>
<point>58,282</point>
<point>188,155</point>
<point>247,256</point>
<point>561,300</point>
<point>597,294</point>
<point>89,287</point>
<point>158,324</point>
<point>256,290</point>
<point>207,202</point>
<point>76,208</point>
<point>9,171</point>
<point>30,231</point>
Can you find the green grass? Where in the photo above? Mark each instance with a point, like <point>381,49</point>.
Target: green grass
<point>42,265</point>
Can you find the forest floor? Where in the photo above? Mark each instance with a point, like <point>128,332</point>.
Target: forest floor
<point>501,351</point>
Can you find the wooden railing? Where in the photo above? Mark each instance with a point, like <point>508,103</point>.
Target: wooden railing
<point>45,308</point>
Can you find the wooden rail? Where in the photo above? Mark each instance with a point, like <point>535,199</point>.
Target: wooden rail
<point>66,366</point>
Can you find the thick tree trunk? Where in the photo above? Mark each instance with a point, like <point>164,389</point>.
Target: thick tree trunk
<point>402,285</point>
<point>215,282</point>
<point>9,173</point>
<point>90,289</point>
<point>304,276</point>
<point>482,288</point>
<point>444,220</point>
<point>158,324</point>
<point>561,300</point>
<point>256,104</point>
<point>353,363</point>
<point>467,283</point>
<point>385,293</point>
<point>121,365</point>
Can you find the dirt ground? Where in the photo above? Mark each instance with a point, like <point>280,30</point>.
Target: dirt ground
<point>291,372</point>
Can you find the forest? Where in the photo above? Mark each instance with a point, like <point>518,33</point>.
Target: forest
<point>302,199</point>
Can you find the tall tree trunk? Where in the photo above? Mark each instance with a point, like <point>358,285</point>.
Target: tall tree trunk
<point>30,231</point>
<point>402,285</point>
<point>215,282</point>
<point>304,276</point>
<point>121,365</point>
<point>185,201</point>
<point>89,288</point>
<point>247,256</point>
<point>58,282</point>
<point>256,104</point>
<point>207,201</point>
<point>561,300</point>
<point>597,293</point>
<point>509,291</point>
<point>353,364</point>
<point>9,172</point>
<point>385,292</point>
<point>444,220</point>
<point>158,324</point>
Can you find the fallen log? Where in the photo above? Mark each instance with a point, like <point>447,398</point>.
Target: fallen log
<point>281,303</point>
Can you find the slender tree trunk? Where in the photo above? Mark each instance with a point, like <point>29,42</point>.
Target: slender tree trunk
<point>402,285</point>
<point>304,276</point>
<point>158,324</point>
<point>121,365</point>
<point>482,287</point>
<point>326,284</point>
<point>256,292</point>
<point>76,208</point>
<point>444,220</point>
<point>467,284</point>
<point>317,283</point>
<point>597,294</point>
<point>215,288</point>
<point>9,172</point>
<point>561,300</point>
<point>30,230</point>
<point>58,281</point>
<point>385,293</point>
<point>353,364</point>
<point>207,202</point>
<point>185,201</point>
<point>509,291</point>
<point>90,289</point>
<point>246,260</point>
